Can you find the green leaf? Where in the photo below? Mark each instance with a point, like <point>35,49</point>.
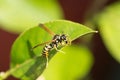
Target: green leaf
<point>30,64</point>
<point>17,15</point>
<point>109,22</point>
<point>73,65</point>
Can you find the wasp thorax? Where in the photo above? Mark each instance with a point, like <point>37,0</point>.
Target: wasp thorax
<point>56,37</point>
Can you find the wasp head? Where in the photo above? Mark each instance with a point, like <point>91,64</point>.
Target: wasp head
<point>65,39</point>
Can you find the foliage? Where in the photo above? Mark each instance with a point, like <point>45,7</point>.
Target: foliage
<point>27,64</point>
<point>17,15</point>
<point>109,26</point>
<point>75,64</point>
<point>30,64</point>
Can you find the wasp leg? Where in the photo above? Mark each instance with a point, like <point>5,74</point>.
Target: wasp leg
<point>69,41</point>
<point>59,50</point>
<point>46,62</point>
<point>46,56</point>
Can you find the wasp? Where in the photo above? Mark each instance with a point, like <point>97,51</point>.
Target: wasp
<point>57,40</point>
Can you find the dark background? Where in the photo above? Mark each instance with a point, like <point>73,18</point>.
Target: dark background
<point>104,68</point>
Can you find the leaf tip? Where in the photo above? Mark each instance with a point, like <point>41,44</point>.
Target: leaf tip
<point>96,31</point>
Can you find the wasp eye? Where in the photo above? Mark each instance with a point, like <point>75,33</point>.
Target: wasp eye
<point>63,37</point>
<point>66,42</point>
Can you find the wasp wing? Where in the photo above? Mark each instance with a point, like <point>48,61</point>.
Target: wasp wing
<point>41,44</point>
<point>46,29</point>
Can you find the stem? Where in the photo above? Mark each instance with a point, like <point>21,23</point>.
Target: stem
<point>10,71</point>
<point>6,74</point>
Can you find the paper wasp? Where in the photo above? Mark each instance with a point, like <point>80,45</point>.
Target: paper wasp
<point>57,40</point>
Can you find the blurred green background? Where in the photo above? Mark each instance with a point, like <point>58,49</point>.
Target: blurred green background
<point>92,57</point>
